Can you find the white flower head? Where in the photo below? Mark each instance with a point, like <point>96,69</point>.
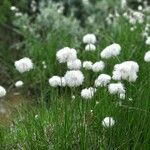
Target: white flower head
<point>148,40</point>
<point>126,71</point>
<point>18,14</point>
<point>140,8</point>
<point>87,65</point>
<point>147,56</point>
<point>62,82</point>
<point>111,51</point>
<point>90,47</point>
<point>74,78</point>
<point>66,54</point>
<point>98,66</point>
<point>23,65</point>
<point>54,81</point>
<point>19,84</point>
<point>73,97</point>
<point>13,8</point>
<point>116,88</point>
<point>102,80</point>
<point>89,39</point>
<point>108,122</point>
<point>74,65</point>
<point>2,92</point>
<point>88,93</point>
<point>57,81</point>
<point>122,96</point>
<point>123,4</point>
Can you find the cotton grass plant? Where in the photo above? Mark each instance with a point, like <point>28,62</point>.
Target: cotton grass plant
<point>85,99</point>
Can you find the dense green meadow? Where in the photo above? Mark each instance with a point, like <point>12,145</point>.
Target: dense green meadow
<point>59,117</point>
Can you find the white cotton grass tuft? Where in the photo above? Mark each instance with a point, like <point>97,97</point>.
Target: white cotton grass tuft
<point>90,47</point>
<point>74,78</point>
<point>66,54</point>
<point>102,80</point>
<point>147,57</point>
<point>108,122</point>
<point>89,38</point>
<point>126,71</point>
<point>23,65</point>
<point>111,51</point>
<point>74,65</point>
<point>56,81</point>
<point>87,65</point>
<point>88,93</point>
<point>13,8</point>
<point>2,91</point>
<point>148,41</point>
<point>19,84</point>
<point>98,66</point>
<point>116,88</point>
<point>122,96</point>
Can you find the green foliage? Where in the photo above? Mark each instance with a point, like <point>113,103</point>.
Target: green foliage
<point>5,11</point>
<point>55,120</point>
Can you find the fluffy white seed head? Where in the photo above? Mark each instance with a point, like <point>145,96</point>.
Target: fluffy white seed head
<point>108,122</point>
<point>87,65</point>
<point>66,54</point>
<point>62,82</point>
<point>148,40</point>
<point>74,65</point>
<point>102,80</point>
<point>116,88</point>
<point>23,65</point>
<point>13,8</point>
<point>90,47</point>
<point>89,39</point>
<point>147,56</point>
<point>111,51</point>
<point>126,71</point>
<point>88,93</point>
<point>2,92</point>
<point>54,81</point>
<point>57,81</point>
<point>19,84</point>
<point>122,96</point>
<point>74,78</point>
<point>98,66</point>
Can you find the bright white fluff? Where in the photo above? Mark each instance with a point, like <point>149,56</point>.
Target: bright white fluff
<point>74,65</point>
<point>23,65</point>
<point>88,93</point>
<point>66,54</point>
<point>89,39</point>
<point>111,51</point>
<point>98,66</point>
<point>147,56</point>
<point>148,40</point>
<point>108,122</point>
<point>90,47</point>
<point>102,80</point>
<point>13,8</point>
<point>74,78</point>
<point>87,65</point>
<point>116,88</point>
<point>62,82</point>
<point>126,71</point>
<point>19,84</point>
<point>2,92</point>
<point>122,96</point>
<point>54,81</point>
<point>57,81</point>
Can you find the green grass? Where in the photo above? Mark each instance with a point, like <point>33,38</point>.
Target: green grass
<point>67,124</point>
